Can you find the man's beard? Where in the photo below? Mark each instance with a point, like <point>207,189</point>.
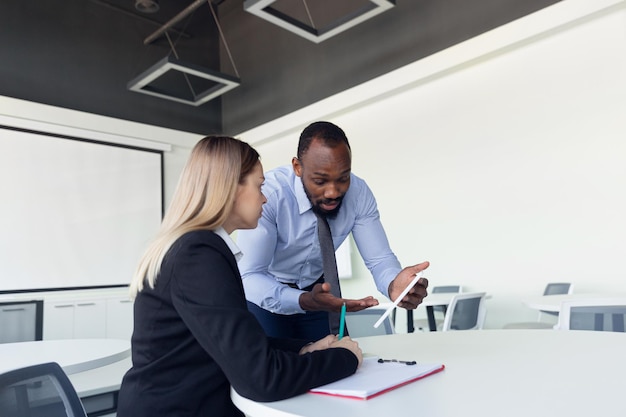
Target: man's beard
<point>316,205</point>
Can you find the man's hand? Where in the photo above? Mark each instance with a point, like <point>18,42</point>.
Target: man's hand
<point>416,294</point>
<point>320,299</point>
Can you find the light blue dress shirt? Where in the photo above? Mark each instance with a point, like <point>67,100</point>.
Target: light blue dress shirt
<point>284,248</point>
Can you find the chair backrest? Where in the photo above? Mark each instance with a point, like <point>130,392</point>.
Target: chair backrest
<point>38,391</point>
<point>558,288</point>
<point>361,323</point>
<point>555,288</point>
<point>598,314</point>
<point>466,312</point>
<point>446,288</point>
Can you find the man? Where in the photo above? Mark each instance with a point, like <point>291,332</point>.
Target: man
<point>282,265</point>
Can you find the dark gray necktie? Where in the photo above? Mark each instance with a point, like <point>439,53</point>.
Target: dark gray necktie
<point>330,267</point>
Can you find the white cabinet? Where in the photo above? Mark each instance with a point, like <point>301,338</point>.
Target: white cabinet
<point>119,320</point>
<point>90,319</point>
<point>71,319</point>
<point>75,314</point>
<point>58,320</point>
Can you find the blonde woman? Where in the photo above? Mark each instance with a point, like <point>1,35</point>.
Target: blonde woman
<point>193,335</point>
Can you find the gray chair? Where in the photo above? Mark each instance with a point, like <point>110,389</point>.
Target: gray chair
<point>361,323</point>
<point>467,311</point>
<point>439,312</point>
<point>42,390</point>
<point>597,314</point>
<point>444,289</point>
<point>553,288</point>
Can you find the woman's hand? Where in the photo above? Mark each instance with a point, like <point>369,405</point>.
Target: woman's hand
<point>332,341</point>
<point>349,344</point>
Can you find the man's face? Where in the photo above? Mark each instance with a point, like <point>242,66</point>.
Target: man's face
<point>325,174</point>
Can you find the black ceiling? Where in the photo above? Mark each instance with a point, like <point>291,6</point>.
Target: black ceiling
<point>81,54</point>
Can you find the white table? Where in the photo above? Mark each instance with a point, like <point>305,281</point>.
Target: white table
<point>553,302</point>
<point>489,373</point>
<point>74,355</point>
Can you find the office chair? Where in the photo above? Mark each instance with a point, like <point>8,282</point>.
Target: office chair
<point>597,314</point>
<point>361,323</point>
<point>422,324</point>
<point>42,390</point>
<point>466,311</point>
<point>553,288</point>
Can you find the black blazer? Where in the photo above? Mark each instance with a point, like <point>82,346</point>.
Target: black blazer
<point>194,337</point>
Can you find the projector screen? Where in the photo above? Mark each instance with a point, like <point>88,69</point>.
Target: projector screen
<point>74,213</point>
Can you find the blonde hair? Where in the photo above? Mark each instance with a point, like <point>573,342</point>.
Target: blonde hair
<point>203,199</point>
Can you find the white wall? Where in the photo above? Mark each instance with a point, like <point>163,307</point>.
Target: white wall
<point>501,160</point>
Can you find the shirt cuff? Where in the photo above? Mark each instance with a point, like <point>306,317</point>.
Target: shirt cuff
<point>290,301</point>
<point>383,283</point>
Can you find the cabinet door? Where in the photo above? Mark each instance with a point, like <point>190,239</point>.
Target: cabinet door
<point>119,318</point>
<point>58,320</point>
<point>90,319</point>
<point>18,322</point>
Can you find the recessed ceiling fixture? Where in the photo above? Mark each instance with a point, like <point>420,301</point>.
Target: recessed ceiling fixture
<point>264,10</point>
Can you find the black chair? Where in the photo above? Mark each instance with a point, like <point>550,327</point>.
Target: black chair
<point>42,390</point>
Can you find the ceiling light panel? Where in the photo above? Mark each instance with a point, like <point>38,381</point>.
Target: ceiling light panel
<point>264,10</point>
<point>198,85</point>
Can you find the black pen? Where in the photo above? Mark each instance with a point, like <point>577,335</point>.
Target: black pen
<point>381,360</point>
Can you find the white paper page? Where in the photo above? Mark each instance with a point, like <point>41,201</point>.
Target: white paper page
<point>373,377</point>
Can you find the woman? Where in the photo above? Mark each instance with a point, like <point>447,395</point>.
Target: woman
<point>193,335</point>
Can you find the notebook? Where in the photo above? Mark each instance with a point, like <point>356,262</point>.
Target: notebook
<point>374,378</point>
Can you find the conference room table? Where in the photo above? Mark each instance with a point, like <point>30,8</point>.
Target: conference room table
<point>489,373</point>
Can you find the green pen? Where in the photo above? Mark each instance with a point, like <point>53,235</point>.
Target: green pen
<point>342,320</point>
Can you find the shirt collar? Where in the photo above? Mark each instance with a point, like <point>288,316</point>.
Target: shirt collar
<point>229,242</point>
<point>304,204</point>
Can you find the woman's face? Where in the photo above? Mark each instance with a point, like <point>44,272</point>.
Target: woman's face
<point>248,202</point>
